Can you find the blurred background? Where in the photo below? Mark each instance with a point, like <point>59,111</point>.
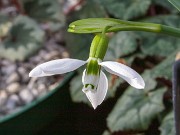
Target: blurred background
<point>35,31</point>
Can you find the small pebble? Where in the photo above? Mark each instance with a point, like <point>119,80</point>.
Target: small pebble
<point>3,110</point>
<point>14,77</point>
<point>51,46</point>
<point>13,87</point>
<point>34,92</point>
<point>10,69</point>
<point>3,97</point>
<point>17,88</point>
<point>31,83</point>
<point>25,78</point>
<point>26,96</point>
<point>36,59</point>
<point>42,89</point>
<point>42,54</point>
<point>53,86</point>
<point>24,75</point>
<point>51,55</point>
<point>65,55</point>
<point>22,70</point>
<point>12,102</point>
<point>3,84</point>
<point>5,62</point>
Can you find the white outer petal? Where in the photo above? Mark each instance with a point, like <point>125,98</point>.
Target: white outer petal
<point>83,75</point>
<point>97,97</point>
<point>53,67</point>
<point>125,72</point>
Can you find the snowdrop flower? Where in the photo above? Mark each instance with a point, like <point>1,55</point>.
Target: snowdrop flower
<point>95,83</point>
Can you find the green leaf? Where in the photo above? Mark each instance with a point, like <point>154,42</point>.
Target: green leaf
<point>44,10</point>
<point>165,4</point>
<point>130,59</point>
<point>76,92</point>
<point>159,45</point>
<point>176,3</point>
<point>135,110</point>
<point>121,44</point>
<point>89,11</point>
<point>78,45</point>
<point>25,38</point>
<point>126,9</point>
<point>164,70</point>
<point>167,126</point>
<point>106,133</point>
<point>170,20</point>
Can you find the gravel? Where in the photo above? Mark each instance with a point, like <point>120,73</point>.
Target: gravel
<point>17,89</point>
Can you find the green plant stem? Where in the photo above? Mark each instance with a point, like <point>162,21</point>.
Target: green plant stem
<point>170,31</point>
<point>148,27</point>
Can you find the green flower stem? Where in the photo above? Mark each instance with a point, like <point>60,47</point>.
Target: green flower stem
<point>97,25</point>
<point>149,27</point>
<point>170,31</point>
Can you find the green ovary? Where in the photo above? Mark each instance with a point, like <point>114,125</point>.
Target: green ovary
<point>99,46</point>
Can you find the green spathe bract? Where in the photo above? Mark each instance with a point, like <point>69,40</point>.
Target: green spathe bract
<point>97,25</point>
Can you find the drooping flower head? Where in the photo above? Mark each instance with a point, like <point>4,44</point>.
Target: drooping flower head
<point>95,83</point>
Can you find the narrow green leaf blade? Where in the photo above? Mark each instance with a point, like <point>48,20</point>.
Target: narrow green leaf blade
<point>161,45</point>
<point>91,25</point>
<point>164,70</point>
<point>126,9</point>
<point>24,39</point>
<point>167,125</point>
<point>165,4</point>
<point>44,10</point>
<point>121,44</point>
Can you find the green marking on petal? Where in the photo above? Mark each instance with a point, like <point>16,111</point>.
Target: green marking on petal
<point>92,86</point>
<point>93,67</point>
